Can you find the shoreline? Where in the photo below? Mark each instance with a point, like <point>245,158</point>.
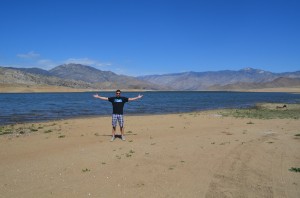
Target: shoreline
<point>204,111</point>
<point>220,112</point>
<point>101,116</point>
<point>56,89</point>
<point>198,154</point>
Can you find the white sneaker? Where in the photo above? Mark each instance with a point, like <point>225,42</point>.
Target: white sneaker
<point>112,138</point>
<point>123,137</point>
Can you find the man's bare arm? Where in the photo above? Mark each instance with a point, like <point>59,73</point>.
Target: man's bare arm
<point>138,97</point>
<point>100,97</point>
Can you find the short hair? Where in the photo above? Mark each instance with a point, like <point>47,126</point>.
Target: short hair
<point>118,91</point>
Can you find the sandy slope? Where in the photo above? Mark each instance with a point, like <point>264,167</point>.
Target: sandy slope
<point>179,155</point>
<point>19,88</point>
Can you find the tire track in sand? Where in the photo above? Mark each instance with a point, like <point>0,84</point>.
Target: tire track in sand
<point>245,172</point>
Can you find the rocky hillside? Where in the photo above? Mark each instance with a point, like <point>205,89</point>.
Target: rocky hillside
<point>281,82</point>
<point>86,77</point>
<point>218,79</point>
<point>73,76</point>
<point>83,73</point>
<point>11,76</point>
<point>101,79</point>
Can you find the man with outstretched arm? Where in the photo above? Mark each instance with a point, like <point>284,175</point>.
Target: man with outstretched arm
<point>117,115</point>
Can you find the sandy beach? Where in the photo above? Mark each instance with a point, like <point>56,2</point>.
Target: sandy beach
<point>179,155</point>
<point>21,88</point>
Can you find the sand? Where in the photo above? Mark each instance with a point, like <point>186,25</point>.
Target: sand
<point>21,88</point>
<point>178,155</point>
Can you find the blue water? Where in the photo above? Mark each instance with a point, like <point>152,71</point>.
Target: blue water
<point>27,107</point>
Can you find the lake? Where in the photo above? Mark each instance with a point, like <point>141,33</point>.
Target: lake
<point>32,107</point>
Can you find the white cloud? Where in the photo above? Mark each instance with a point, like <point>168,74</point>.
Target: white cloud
<point>29,55</point>
<point>87,61</point>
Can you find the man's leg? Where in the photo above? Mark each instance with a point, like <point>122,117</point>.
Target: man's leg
<point>122,133</point>
<point>121,123</point>
<point>113,134</point>
<point>114,124</point>
<point>122,130</point>
<point>113,131</point>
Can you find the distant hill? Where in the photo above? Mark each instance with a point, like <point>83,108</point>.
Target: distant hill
<point>14,76</point>
<point>101,79</point>
<point>86,77</point>
<point>32,71</point>
<point>83,73</point>
<point>73,76</point>
<point>216,79</point>
<point>281,82</point>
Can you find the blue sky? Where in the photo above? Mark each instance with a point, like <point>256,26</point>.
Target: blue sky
<point>141,37</point>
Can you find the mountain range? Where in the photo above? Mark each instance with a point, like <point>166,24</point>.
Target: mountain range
<point>87,77</point>
<point>221,80</point>
<point>73,76</point>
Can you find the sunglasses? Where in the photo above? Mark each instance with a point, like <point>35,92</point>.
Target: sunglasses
<point>118,93</point>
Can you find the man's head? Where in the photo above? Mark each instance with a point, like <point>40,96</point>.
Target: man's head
<point>118,92</point>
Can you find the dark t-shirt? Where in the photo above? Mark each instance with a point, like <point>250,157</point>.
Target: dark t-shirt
<point>118,104</point>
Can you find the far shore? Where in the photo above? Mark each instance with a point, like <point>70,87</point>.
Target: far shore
<point>56,89</point>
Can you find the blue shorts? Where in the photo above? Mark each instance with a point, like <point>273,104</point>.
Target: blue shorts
<point>119,118</point>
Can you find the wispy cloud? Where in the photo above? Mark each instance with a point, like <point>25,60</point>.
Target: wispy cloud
<point>46,64</point>
<point>87,61</point>
<point>29,55</point>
